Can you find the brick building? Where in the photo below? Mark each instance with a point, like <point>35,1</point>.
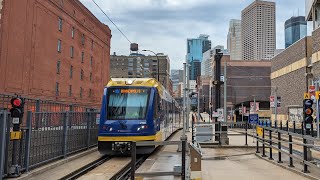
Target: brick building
<point>289,78</point>
<point>53,49</point>
<point>141,66</point>
<point>246,81</point>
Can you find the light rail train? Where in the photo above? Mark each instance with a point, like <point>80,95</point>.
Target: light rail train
<point>135,109</point>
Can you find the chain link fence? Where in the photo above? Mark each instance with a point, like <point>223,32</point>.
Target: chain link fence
<point>47,136</point>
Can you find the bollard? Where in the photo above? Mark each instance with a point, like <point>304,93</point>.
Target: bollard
<point>281,125</point>
<point>279,148</point>
<point>294,126</point>
<point>275,124</point>
<point>183,160</point>
<point>257,151</point>
<point>263,144</point>
<point>305,156</point>
<point>302,128</point>
<point>287,124</point>
<point>270,142</point>
<point>246,133</point>
<point>290,151</point>
<point>192,131</point>
<point>133,160</point>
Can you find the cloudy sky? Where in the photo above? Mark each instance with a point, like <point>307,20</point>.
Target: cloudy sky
<point>164,25</point>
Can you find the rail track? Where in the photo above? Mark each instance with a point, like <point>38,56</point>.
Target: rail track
<point>85,169</point>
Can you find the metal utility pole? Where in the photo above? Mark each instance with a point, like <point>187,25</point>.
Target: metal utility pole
<point>317,110</point>
<point>242,112</point>
<point>188,98</point>
<point>217,83</point>
<point>225,92</point>
<point>275,104</point>
<point>184,100</point>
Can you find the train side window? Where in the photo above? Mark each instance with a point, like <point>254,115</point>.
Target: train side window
<point>156,106</point>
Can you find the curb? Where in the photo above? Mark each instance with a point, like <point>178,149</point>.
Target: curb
<point>54,164</point>
<point>289,168</point>
<point>225,147</point>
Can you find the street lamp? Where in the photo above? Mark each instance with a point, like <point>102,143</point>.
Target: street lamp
<point>157,60</point>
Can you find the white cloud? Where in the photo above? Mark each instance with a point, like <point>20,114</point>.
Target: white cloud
<point>164,25</point>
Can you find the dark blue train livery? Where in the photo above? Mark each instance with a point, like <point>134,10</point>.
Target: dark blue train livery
<point>135,109</point>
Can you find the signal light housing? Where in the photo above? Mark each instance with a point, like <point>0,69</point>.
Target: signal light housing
<point>307,113</point>
<point>17,109</point>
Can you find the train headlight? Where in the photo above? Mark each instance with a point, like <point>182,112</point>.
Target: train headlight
<point>142,127</point>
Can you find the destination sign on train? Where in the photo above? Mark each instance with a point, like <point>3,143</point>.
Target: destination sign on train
<point>129,91</point>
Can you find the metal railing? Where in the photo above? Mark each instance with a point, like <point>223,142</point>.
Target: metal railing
<point>282,139</point>
<point>47,136</point>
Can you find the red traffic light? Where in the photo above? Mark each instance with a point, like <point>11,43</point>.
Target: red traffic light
<point>16,102</point>
<point>308,111</point>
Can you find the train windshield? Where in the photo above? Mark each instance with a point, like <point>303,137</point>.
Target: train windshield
<point>127,103</point>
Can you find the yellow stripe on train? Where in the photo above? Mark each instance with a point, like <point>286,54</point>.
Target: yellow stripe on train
<point>156,137</point>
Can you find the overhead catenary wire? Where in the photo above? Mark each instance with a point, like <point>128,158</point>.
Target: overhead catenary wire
<point>111,21</point>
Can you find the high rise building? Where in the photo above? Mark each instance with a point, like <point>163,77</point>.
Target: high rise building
<point>206,64</point>
<point>195,48</point>
<point>295,29</point>
<point>258,31</point>
<point>234,39</point>
<point>176,77</point>
<point>141,66</point>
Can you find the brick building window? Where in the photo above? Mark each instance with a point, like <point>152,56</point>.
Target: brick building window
<point>81,75</point>
<point>59,45</point>
<point>71,51</point>
<point>71,72</point>
<point>91,44</point>
<point>82,57</point>
<point>58,67</point>
<point>82,39</point>
<point>90,92</point>
<point>70,90</point>
<point>60,24</point>
<point>57,89</point>
<point>72,32</point>
<point>91,77</point>
<point>81,92</point>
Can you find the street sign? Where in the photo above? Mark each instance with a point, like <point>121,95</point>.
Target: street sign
<point>253,118</point>
<point>317,95</point>
<point>272,101</point>
<point>306,96</point>
<point>312,91</point>
<point>259,131</point>
<point>278,101</point>
<point>252,106</point>
<point>220,115</point>
<point>215,114</point>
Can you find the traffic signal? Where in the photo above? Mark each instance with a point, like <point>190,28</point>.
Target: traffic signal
<point>17,109</point>
<point>307,113</point>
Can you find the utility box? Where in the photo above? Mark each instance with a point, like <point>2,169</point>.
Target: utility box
<point>204,128</point>
<point>195,163</point>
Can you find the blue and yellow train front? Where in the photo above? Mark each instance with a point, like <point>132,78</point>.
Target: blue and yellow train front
<point>127,114</point>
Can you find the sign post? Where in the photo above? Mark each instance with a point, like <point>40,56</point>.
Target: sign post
<point>318,116</point>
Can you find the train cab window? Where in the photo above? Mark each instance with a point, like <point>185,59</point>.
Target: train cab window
<point>127,103</point>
